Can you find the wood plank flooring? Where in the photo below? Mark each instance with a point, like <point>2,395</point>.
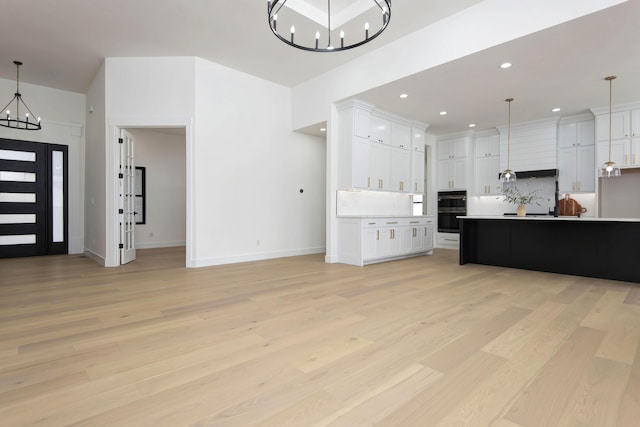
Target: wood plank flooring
<point>297,342</point>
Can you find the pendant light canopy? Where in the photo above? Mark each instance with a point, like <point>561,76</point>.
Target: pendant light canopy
<point>508,175</point>
<point>10,114</point>
<point>609,169</point>
<point>317,28</point>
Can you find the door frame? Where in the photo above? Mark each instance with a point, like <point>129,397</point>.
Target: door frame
<point>112,219</point>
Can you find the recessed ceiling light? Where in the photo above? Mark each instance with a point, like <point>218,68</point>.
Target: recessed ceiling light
<point>505,65</point>
<point>555,110</point>
<point>472,125</point>
<point>403,96</point>
<point>443,113</point>
<point>323,129</point>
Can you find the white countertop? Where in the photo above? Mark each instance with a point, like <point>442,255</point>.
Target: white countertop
<point>550,218</point>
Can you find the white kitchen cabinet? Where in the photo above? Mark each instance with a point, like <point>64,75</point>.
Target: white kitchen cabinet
<point>620,152</point>
<point>452,149</point>
<point>400,136</point>
<point>576,134</point>
<point>368,240</point>
<point>487,146</point>
<point>487,172</point>
<point>620,126</point>
<point>353,146</point>
<point>379,166</point>
<point>361,125</point>
<point>577,169</point>
<point>400,170</point>
<point>379,129</point>
<point>417,172</point>
<point>635,151</point>
<point>452,174</point>
<point>576,157</point>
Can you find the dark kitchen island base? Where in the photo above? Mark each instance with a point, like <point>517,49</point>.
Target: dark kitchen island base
<point>602,248</point>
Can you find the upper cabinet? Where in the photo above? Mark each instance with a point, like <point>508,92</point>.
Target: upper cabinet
<point>374,150</point>
<point>625,138</point>
<point>487,165</point>
<point>576,157</point>
<point>452,164</point>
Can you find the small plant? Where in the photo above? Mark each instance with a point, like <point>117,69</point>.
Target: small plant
<point>514,196</point>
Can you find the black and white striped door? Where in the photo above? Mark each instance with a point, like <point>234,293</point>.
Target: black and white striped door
<point>33,199</point>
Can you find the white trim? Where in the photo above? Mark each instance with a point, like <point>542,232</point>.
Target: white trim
<point>234,259</point>
<point>94,256</point>
<point>616,108</point>
<point>155,245</point>
<point>112,227</point>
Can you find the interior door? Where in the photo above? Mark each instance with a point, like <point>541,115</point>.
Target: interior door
<point>126,178</point>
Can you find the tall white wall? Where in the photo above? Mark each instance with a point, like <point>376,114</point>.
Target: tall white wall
<point>249,170</point>
<point>95,182</point>
<point>63,122</point>
<point>163,155</point>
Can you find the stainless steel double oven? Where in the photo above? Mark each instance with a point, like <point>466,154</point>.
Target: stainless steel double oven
<point>451,204</point>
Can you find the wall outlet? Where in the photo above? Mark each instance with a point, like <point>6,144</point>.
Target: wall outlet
<point>151,234</point>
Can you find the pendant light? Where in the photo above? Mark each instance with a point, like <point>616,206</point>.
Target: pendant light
<point>508,175</point>
<point>13,119</point>
<point>609,169</point>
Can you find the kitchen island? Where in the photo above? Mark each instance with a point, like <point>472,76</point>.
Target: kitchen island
<point>605,248</point>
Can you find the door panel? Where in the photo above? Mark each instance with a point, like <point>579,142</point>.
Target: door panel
<point>127,198</point>
<point>23,198</point>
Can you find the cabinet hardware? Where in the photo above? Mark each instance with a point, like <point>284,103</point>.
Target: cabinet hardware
<point>425,231</point>
<point>626,159</point>
<point>414,222</point>
<point>371,223</point>
<point>392,222</point>
<point>451,240</point>
<point>634,159</point>
<point>377,234</point>
<point>578,185</point>
<point>416,190</point>
<point>368,182</point>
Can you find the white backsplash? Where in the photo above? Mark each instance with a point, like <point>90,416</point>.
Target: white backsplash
<point>373,203</point>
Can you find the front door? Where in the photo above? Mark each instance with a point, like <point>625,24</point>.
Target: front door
<point>33,199</point>
<point>126,210</point>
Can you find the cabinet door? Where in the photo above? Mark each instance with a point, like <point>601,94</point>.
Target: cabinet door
<point>401,136</point>
<point>361,123</point>
<point>585,169</point>
<point>379,166</point>
<point>567,167</point>
<point>428,238</point>
<point>459,173</point>
<point>400,169</point>
<point>567,135</point>
<point>360,163</point>
<point>620,152</point>
<point>418,139</point>
<point>384,242</point>
<point>458,147</point>
<point>494,146</point>
<point>635,151</point>
<point>635,123</point>
<point>620,125</point>
<point>443,149</point>
<point>444,175</point>
<point>380,129</point>
<point>486,180</point>
<point>370,240</point>
<point>585,133</point>
<point>417,172</point>
<point>481,146</point>
<point>406,239</point>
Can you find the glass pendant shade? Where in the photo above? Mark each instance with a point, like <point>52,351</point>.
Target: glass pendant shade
<point>609,170</point>
<point>508,176</point>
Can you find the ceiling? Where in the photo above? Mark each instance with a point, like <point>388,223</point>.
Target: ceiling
<point>63,43</point>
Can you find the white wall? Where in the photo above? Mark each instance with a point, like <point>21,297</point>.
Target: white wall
<point>63,122</point>
<point>249,169</point>
<point>164,157</point>
<point>619,196</point>
<point>95,182</point>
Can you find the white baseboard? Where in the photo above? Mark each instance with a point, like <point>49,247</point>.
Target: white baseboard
<point>154,245</point>
<point>207,262</point>
<point>94,256</point>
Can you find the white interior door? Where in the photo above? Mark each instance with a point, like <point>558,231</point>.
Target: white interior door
<point>127,198</point>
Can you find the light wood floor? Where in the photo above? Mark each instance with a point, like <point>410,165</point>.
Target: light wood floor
<point>297,342</point>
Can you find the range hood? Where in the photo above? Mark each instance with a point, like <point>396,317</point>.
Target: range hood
<point>540,173</point>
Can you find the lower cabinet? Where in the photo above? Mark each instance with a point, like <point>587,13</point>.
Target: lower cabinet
<point>364,241</point>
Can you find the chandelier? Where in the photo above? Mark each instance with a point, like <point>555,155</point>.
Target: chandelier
<point>16,121</point>
<point>353,32</point>
<point>609,169</point>
<point>508,175</point>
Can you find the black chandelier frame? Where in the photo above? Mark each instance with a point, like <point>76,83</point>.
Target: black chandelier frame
<point>274,6</point>
<point>18,122</point>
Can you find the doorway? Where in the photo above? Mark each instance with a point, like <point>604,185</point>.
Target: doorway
<point>33,198</point>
